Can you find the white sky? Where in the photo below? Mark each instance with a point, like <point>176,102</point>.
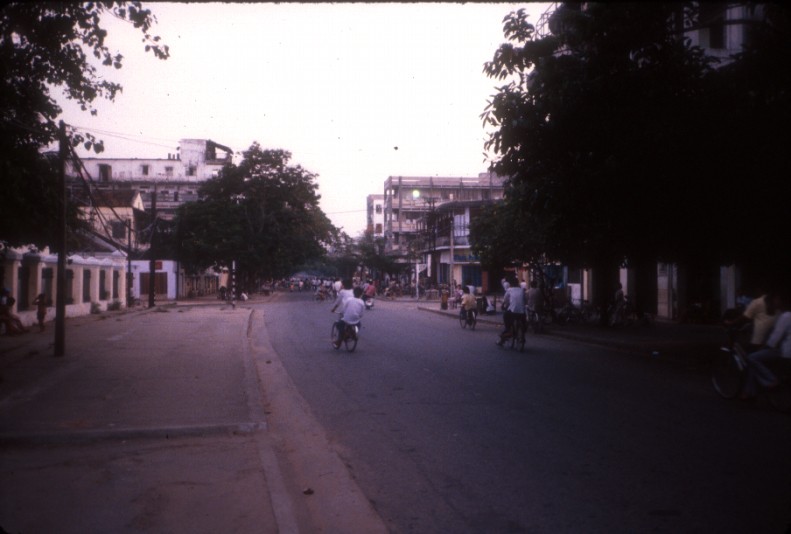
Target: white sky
<point>337,85</point>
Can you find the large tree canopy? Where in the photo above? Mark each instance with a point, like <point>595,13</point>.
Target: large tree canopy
<point>623,142</point>
<point>263,213</point>
<point>47,48</point>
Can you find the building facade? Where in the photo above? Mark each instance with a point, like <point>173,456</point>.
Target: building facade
<point>408,199</point>
<point>93,282</point>
<point>375,216</point>
<point>173,180</point>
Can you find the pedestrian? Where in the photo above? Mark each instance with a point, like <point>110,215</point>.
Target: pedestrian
<point>41,309</point>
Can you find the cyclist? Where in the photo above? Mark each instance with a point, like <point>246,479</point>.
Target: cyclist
<point>514,306</point>
<point>777,346</point>
<point>344,293</point>
<point>762,313</point>
<point>352,312</point>
<point>468,302</point>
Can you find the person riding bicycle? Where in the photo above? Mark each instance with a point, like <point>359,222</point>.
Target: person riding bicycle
<point>468,302</point>
<point>344,293</point>
<point>351,313</point>
<point>761,312</point>
<point>514,306</point>
<point>778,346</point>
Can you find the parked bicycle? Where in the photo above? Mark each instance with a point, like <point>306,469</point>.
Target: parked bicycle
<point>627,315</point>
<point>730,368</point>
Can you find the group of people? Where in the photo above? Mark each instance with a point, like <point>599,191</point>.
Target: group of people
<point>770,317</point>
<point>519,301</point>
<point>11,322</point>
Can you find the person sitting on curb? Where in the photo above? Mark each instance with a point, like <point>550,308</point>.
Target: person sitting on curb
<point>13,325</point>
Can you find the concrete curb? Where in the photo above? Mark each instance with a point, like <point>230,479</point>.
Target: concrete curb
<point>125,434</point>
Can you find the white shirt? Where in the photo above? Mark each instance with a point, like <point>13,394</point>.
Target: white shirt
<point>515,298</point>
<point>353,311</point>
<point>782,334</point>
<point>343,296</point>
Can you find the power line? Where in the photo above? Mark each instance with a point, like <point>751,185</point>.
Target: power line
<point>129,137</point>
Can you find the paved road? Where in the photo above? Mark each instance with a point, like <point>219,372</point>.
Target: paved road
<point>445,432</point>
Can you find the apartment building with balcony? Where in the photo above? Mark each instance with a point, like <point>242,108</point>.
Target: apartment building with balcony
<point>408,199</point>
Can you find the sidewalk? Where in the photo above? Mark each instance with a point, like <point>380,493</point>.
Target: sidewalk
<point>691,345</point>
<point>132,431</point>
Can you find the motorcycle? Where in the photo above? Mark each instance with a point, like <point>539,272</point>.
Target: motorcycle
<point>369,302</point>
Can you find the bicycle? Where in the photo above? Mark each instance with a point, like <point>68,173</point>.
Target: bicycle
<point>518,331</point>
<point>468,318</point>
<point>348,339</point>
<point>730,368</point>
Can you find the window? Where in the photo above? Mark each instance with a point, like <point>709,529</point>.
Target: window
<point>713,16</point>
<point>145,169</point>
<point>168,171</point>
<point>105,172</point>
<point>86,285</point>
<point>175,196</point>
<point>191,170</point>
<point>119,229</point>
<point>378,208</point>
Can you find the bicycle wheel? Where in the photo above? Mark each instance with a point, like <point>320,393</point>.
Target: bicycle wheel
<point>463,319</point>
<point>335,336</point>
<point>350,340</point>
<point>519,337</point>
<point>727,376</point>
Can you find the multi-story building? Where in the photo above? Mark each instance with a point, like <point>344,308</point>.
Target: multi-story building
<point>174,179</point>
<point>408,199</point>
<point>375,216</point>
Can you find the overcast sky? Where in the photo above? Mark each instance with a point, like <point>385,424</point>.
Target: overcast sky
<point>340,86</point>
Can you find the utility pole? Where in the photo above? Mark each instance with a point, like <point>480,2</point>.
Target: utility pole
<point>60,294</point>
<point>233,284</point>
<point>152,250</point>
<point>129,278</point>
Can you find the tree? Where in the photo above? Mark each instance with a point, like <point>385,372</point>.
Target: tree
<point>616,134</point>
<point>263,214</point>
<point>45,48</point>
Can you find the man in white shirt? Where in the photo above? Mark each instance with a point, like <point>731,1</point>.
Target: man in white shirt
<point>353,309</point>
<point>344,290</point>
<point>514,306</point>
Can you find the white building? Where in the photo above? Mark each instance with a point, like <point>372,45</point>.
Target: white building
<point>174,179</point>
